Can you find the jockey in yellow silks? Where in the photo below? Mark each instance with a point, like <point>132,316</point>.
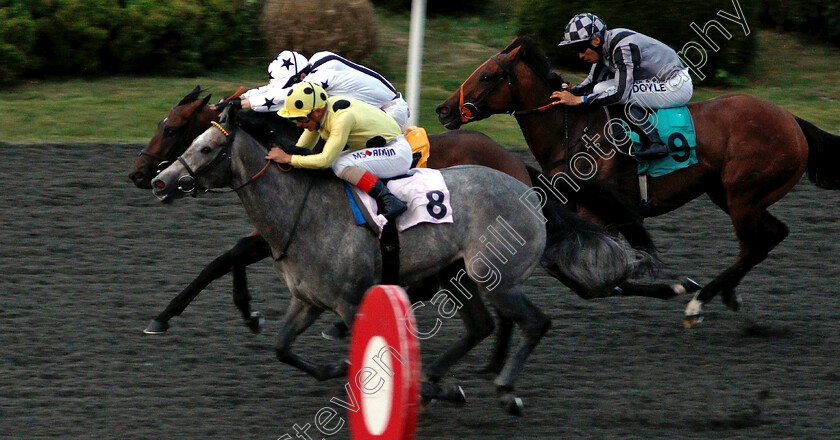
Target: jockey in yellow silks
<point>376,146</point>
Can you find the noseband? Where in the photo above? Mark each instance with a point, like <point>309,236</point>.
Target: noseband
<point>469,110</point>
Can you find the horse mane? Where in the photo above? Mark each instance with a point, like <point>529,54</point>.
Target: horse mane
<point>533,55</point>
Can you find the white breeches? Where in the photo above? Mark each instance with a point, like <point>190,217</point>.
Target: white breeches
<point>397,109</point>
<point>394,159</point>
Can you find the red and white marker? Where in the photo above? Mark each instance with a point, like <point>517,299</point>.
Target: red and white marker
<point>384,368</point>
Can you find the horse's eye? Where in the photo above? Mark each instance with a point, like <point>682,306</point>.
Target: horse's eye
<point>171,131</point>
<point>206,150</point>
<point>485,77</point>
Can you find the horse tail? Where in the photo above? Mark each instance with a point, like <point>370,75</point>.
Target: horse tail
<point>584,257</point>
<point>823,155</point>
<point>606,205</point>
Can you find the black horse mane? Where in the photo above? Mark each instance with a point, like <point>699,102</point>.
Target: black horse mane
<point>533,55</point>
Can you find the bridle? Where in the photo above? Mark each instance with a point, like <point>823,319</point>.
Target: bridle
<point>163,162</point>
<point>187,183</point>
<point>195,174</point>
<point>470,110</point>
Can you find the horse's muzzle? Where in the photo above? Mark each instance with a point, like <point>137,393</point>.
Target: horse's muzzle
<point>449,118</point>
<point>140,179</point>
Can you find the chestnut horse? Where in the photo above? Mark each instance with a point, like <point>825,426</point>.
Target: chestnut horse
<point>192,115</point>
<point>750,153</point>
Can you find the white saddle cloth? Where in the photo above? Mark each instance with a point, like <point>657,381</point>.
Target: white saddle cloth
<point>425,193</point>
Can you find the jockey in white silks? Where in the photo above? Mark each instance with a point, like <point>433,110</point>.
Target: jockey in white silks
<point>338,77</point>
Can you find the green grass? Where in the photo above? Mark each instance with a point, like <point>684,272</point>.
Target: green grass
<point>801,78</point>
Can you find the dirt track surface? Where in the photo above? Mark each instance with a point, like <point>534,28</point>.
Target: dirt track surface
<point>87,260</point>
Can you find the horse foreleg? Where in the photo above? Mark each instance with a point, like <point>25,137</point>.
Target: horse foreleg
<point>298,318</point>
<point>514,305</point>
<point>758,234</point>
<point>247,250</point>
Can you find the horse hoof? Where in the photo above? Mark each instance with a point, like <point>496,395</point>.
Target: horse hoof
<point>693,313</point>
<point>512,405</point>
<point>334,333</point>
<point>692,321</point>
<point>431,392</point>
<point>686,285</point>
<point>732,301</point>
<point>156,327</point>
<point>456,395</point>
<point>335,372</point>
<point>255,322</point>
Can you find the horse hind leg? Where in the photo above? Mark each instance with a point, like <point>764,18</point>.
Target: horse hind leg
<point>504,331</point>
<point>533,323</point>
<point>758,234</point>
<point>478,322</point>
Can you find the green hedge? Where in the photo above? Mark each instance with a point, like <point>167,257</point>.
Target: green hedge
<point>17,35</point>
<point>666,20</point>
<point>817,19</point>
<point>85,37</point>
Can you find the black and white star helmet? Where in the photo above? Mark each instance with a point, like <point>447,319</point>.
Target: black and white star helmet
<point>583,27</point>
<point>287,65</point>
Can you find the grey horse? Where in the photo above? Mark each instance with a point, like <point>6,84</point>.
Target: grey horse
<point>328,264</point>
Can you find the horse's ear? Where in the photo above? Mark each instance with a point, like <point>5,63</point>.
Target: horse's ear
<point>192,96</point>
<point>205,101</point>
<point>228,118</point>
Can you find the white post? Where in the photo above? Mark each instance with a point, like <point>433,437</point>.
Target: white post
<point>415,59</point>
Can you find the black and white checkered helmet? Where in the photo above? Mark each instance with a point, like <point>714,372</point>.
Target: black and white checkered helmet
<point>583,27</point>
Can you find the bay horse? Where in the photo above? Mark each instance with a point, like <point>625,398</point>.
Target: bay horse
<point>750,153</point>
<point>192,115</point>
<point>302,213</point>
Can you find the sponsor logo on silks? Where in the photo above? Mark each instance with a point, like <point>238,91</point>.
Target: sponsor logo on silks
<point>651,86</point>
<point>375,152</point>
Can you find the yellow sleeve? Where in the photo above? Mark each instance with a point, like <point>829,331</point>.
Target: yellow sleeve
<point>339,132</point>
<point>308,139</point>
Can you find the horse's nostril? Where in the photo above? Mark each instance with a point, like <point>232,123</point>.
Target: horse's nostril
<point>442,110</point>
<point>159,184</point>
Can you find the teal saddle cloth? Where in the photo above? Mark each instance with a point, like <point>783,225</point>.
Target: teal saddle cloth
<point>677,131</point>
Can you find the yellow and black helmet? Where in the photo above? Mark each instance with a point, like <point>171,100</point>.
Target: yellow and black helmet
<point>303,97</point>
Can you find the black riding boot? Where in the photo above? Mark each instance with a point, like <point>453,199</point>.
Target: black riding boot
<point>389,205</point>
<point>652,145</point>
